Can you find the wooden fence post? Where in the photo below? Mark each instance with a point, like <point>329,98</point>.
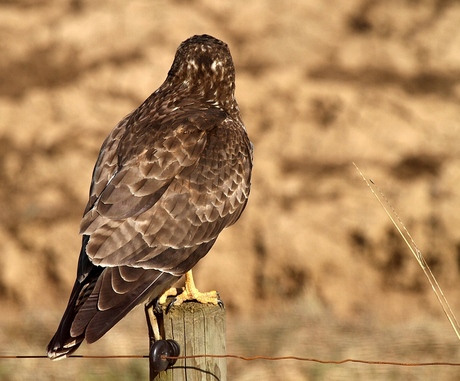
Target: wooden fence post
<point>198,329</point>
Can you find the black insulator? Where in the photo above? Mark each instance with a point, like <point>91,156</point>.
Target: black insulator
<point>161,349</point>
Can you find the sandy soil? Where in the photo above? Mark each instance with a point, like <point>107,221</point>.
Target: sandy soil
<point>321,84</point>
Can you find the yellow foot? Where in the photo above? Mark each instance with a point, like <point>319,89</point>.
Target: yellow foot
<point>171,292</point>
<point>211,297</point>
<point>190,292</point>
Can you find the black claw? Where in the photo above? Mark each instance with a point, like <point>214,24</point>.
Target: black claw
<point>157,309</point>
<point>170,304</point>
<point>220,303</point>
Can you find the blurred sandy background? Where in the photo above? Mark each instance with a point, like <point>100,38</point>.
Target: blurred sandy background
<point>314,267</point>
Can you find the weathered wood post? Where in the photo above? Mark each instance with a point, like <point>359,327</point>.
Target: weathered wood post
<point>199,329</point>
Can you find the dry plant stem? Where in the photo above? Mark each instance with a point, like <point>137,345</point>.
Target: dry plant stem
<point>417,254</point>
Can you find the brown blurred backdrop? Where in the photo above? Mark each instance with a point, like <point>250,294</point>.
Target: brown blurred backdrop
<point>314,267</point>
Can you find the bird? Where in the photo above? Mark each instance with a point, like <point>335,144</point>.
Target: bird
<point>169,178</point>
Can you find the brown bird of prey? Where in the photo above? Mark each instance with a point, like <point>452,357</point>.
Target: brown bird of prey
<point>169,178</point>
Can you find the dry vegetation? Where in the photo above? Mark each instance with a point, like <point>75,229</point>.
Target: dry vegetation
<point>320,84</point>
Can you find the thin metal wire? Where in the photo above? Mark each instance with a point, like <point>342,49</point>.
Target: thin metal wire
<point>336,362</point>
<point>76,357</point>
<point>253,358</point>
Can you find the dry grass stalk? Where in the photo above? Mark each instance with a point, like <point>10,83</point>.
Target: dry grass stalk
<point>404,233</point>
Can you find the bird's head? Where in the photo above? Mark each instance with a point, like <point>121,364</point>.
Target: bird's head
<point>203,65</point>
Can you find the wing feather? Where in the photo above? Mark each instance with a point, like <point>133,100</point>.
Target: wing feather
<point>184,209</point>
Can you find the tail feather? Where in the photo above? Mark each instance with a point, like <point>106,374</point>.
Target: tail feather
<point>63,344</point>
<point>88,314</point>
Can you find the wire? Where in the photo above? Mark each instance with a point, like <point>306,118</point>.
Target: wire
<point>76,357</point>
<point>267,358</point>
<point>336,362</point>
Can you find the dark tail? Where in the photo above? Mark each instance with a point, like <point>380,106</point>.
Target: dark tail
<point>100,302</point>
<point>63,344</point>
<point>100,298</point>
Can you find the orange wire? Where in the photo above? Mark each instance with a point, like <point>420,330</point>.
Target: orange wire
<point>296,358</point>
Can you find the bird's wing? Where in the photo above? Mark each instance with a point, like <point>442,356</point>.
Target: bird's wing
<point>164,189</point>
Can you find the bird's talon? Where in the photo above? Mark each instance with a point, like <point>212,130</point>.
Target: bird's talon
<point>157,309</point>
<point>170,304</point>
